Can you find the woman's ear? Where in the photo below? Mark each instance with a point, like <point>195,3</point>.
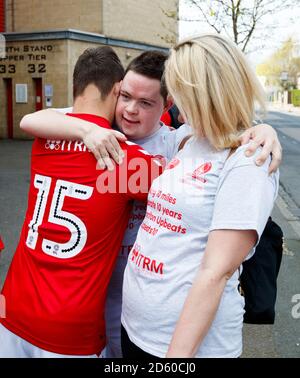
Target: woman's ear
<point>168,104</point>
<point>181,118</point>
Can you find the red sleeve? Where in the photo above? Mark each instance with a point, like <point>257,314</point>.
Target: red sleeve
<point>142,169</point>
<point>1,244</point>
<point>134,176</point>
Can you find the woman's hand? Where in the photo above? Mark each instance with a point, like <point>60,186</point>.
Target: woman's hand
<point>263,135</point>
<point>104,145</point>
<point>50,124</point>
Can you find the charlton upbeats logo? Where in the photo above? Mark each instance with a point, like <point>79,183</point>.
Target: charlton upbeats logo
<point>197,177</point>
<point>200,172</point>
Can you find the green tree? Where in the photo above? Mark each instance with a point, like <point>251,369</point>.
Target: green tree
<point>241,20</point>
<point>283,59</point>
<point>170,14</point>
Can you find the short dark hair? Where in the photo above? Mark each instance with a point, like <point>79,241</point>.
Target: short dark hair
<point>100,66</point>
<point>152,65</point>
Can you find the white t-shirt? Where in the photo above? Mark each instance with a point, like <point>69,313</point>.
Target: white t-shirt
<point>198,192</point>
<point>64,110</point>
<point>163,144</point>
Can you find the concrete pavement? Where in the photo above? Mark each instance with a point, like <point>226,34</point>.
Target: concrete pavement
<point>14,183</point>
<point>283,338</point>
<point>284,108</point>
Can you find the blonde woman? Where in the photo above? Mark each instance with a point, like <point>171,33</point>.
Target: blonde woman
<point>204,217</point>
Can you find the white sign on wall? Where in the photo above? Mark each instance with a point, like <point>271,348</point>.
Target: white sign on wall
<point>2,46</point>
<point>48,90</point>
<point>21,94</point>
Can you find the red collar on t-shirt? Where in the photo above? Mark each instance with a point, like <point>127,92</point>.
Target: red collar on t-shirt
<point>100,121</point>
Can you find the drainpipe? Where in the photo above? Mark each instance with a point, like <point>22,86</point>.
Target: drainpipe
<point>13,15</point>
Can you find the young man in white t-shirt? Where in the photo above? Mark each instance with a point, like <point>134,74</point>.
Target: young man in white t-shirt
<point>142,101</point>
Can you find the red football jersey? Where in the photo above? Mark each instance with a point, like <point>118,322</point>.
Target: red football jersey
<point>1,244</point>
<point>56,286</point>
<point>166,118</point>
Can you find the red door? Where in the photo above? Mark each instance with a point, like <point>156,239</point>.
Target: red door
<point>9,108</point>
<point>2,16</point>
<point>38,93</point>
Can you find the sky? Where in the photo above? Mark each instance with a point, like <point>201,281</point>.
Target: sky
<point>283,31</point>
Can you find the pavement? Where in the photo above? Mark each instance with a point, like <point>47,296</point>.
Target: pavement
<point>284,108</point>
<point>281,340</point>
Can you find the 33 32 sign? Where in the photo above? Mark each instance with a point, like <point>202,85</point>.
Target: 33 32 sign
<point>31,68</point>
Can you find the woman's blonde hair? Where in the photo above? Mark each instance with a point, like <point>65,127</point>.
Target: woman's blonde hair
<point>214,88</point>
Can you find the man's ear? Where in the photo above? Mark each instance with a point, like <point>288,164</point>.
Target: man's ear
<point>169,103</point>
<point>117,88</point>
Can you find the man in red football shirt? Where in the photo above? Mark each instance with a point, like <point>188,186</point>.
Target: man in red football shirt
<point>77,213</point>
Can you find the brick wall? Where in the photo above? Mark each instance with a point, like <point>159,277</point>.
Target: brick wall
<point>143,20</point>
<point>58,65</point>
<point>55,73</point>
<point>37,15</point>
